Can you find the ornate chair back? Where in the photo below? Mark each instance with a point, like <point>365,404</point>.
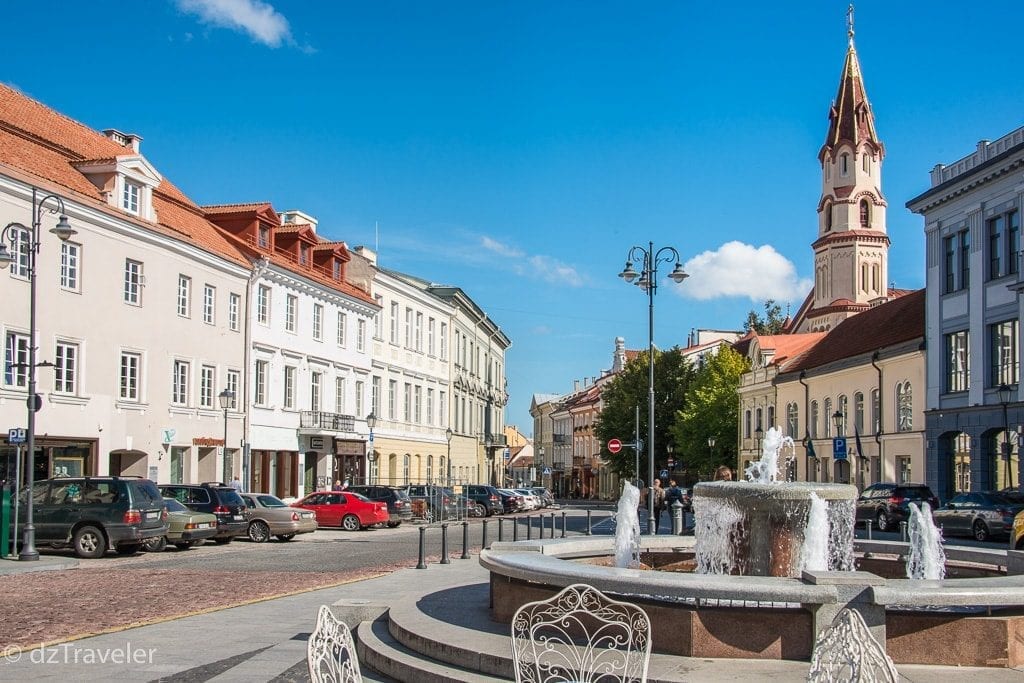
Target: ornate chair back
<point>331,652</point>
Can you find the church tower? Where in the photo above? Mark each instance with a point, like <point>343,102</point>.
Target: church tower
<point>851,250</point>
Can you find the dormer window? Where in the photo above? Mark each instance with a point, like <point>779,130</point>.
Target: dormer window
<point>264,237</point>
<point>130,197</point>
<point>303,254</point>
<point>336,269</point>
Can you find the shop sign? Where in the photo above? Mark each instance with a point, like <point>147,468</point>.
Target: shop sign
<point>316,443</point>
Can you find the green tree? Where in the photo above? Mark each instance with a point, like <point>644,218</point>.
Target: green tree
<point>771,323</point>
<point>629,389</point>
<point>710,410</point>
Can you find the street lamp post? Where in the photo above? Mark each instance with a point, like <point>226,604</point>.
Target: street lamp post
<point>649,281</point>
<point>711,449</point>
<point>1005,392</point>
<point>227,399</point>
<point>487,459</point>
<point>758,433</point>
<point>25,243</point>
<point>448,437</point>
<point>837,420</point>
<point>371,455</point>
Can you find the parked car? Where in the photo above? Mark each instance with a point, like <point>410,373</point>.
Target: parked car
<point>979,514</point>
<point>1017,532</point>
<point>185,528</point>
<point>216,498</point>
<point>397,499</point>
<point>351,511</point>
<point>485,499</point>
<point>886,503</point>
<point>93,514</point>
<point>433,502</point>
<point>546,499</point>
<point>268,515</point>
<point>531,499</point>
<point>511,501</point>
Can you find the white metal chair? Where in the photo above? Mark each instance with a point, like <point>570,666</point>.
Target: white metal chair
<point>331,652</point>
<point>846,651</point>
<point>580,635</point>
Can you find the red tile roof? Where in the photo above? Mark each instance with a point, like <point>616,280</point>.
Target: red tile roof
<point>46,145</point>
<point>233,208</point>
<point>788,346</point>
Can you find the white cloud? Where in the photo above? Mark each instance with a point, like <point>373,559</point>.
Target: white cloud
<point>260,20</point>
<point>499,248</point>
<point>743,270</point>
<point>554,271</point>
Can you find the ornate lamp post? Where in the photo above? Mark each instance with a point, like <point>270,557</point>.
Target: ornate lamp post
<point>226,399</point>
<point>758,433</point>
<point>648,281</point>
<point>1005,393</point>
<point>487,459</point>
<point>371,455</point>
<point>24,248</point>
<point>711,448</point>
<point>448,437</point>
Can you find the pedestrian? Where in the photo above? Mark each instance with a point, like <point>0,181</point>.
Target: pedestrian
<point>673,494</point>
<point>337,485</point>
<point>723,473</point>
<point>659,501</point>
<point>236,484</point>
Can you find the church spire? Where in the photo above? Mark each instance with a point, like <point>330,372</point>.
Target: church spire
<point>850,118</point>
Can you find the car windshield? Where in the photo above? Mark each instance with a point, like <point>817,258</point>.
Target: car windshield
<point>269,501</point>
<point>174,506</point>
<point>145,492</point>
<point>230,496</point>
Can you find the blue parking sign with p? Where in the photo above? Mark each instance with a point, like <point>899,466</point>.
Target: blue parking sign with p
<point>839,448</point>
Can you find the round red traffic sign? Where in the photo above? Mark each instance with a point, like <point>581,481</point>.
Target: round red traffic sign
<point>614,445</point>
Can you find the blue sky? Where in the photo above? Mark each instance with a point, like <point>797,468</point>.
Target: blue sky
<point>518,149</point>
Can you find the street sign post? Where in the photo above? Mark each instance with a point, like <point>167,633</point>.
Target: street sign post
<point>614,445</point>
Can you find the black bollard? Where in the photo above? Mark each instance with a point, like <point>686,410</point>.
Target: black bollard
<point>444,544</point>
<point>501,530</point>
<point>423,557</point>
<point>483,544</point>
<point>529,528</point>
<point>588,521</point>
<point>552,525</point>
<point>465,541</point>
<point>563,523</point>
<point>515,529</point>
<point>869,524</point>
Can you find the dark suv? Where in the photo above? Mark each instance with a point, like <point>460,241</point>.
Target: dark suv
<point>399,504</point>
<point>886,503</point>
<point>216,498</point>
<point>486,499</point>
<point>433,503</point>
<point>92,514</point>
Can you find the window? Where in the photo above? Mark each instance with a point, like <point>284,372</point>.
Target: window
<point>394,322</point>
<point>359,398</point>
<point>303,254</point>
<point>264,237</point>
<point>1003,244</point>
<point>949,264</point>
<point>1003,356</point>
<point>132,282</point>
<point>957,361</point>
<point>430,407</point>
<point>376,316</point>
<point>842,406</point>
<point>184,295</point>
<point>444,341</point>
<point>259,396</point>
<point>69,253</point>
<point>209,296</point>
<point>20,251</point>
<point>375,396</point>
<point>318,322</point>
<point>234,303</point>
<point>339,395</point>
<point>430,336</point>
<point>289,387</point>
<point>66,368</point>
<point>392,398</point>
<point>828,216</point>
<point>129,384</point>
<point>813,422</point>
<point>771,416</point>
<point>904,407</point>
<point>179,383</point>
<point>315,388</point>
<point>865,163</point>
<point>903,469</point>
<point>16,360</point>
<point>263,305</point>
<point>858,412</point>
<point>407,403</point>
<point>342,328</point>
<point>865,213</point>
<point>430,468</point>
<point>206,375</point>
<point>408,328</point>
<point>876,411</point>
<point>758,423</point>
<point>291,310</point>
<point>232,385</point>
<point>792,420</point>
<point>827,417</point>
<point>442,404</point>
<point>746,424</point>
<point>419,332</point>
<point>844,164</point>
<point>360,335</point>
<point>130,197</point>
<point>417,412</point>
<point>965,259</point>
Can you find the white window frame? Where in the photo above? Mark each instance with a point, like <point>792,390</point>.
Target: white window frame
<point>20,240</point>
<point>131,197</point>
<point>207,380</point>
<point>129,373</point>
<point>263,305</point>
<point>65,367</point>
<point>442,408</point>
<point>417,404</point>
<point>392,398</point>
<point>408,327</point>
<point>431,342</point>
<point>359,397</point>
<point>259,384</point>
<point>16,353</point>
<point>316,399</point>
<point>407,403</point>
<point>361,335</point>
<point>394,323</point>
<point>133,280</point>
<point>375,388</point>
<point>318,322</point>
<point>419,332</point>
<point>339,395</point>
<point>291,312</point>
<point>289,387</point>
<point>444,340</point>
<point>184,296</point>
<point>377,316</point>
<point>430,406</point>
<point>209,304</point>
<point>342,329</point>
<point>232,383</point>
<point>70,266</point>
<point>179,382</point>
<point>234,305</point>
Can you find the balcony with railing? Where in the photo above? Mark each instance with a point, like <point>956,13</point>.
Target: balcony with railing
<point>562,438</point>
<point>494,440</point>
<point>315,420</point>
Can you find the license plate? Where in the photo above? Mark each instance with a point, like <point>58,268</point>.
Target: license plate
<point>203,525</point>
<point>237,518</point>
<point>152,515</point>
<point>307,515</point>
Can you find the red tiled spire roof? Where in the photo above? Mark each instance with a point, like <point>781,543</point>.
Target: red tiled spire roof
<point>850,117</point>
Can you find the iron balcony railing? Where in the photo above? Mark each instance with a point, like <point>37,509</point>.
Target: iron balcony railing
<point>562,438</point>
<point>333,422</point>
<point>497,440</point>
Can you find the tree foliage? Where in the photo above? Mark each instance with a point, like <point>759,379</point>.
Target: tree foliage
<point>710,410</point>
<point>771,323</point>
<point>629,389</point>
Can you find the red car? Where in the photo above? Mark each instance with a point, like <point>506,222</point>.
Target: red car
<point>351,511</point>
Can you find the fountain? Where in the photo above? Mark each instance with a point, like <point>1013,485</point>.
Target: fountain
<point>627,528</point>
<point>927,559</point>
<point>760,526</point>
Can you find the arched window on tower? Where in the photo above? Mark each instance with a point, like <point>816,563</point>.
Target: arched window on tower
<point>864,277</point>
<point>844,165</point>
<point>876,277</point>
<point>866,163</point>
<point>828,216</point>
<point>865,213</point>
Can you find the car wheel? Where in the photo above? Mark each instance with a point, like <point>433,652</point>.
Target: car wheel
<point>259,532</point>
<point>980,531</point>
<point>481,511</point>
<point>882,521</point>
<point>155,545</point>
<point>223,540</point>
<point>127,548</point>
<point>392,525</point>
<point>90,542</point>
<point>285,537</point>
<point>184,545</point>
<point>350,523</point>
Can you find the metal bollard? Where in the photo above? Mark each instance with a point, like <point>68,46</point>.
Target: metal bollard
<point>483,544</point>
<point>444,544</point>
<point>588,521</point>
<point>563,523</point>
<point>501,530</point>
<point>869,524</point>
<point>552,525</point>
<point>423,557</point>
<point>529,528</point>
<point>465,541</point>
<point>515,529</point>
<point>677,518</point>
<point>903,532</point>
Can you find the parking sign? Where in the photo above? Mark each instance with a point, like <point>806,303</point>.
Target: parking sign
<point>16,435</point>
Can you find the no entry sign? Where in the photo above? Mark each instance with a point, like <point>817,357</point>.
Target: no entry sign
<point>614,445</point>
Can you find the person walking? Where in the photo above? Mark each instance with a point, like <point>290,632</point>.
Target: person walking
<point>236,484</point>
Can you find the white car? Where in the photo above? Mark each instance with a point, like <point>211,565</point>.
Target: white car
<point>531,499</point>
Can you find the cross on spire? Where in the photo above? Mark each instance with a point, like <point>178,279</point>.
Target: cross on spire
<point>849,22</point>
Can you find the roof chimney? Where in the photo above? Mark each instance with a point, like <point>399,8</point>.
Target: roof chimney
<point>124,139</point>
